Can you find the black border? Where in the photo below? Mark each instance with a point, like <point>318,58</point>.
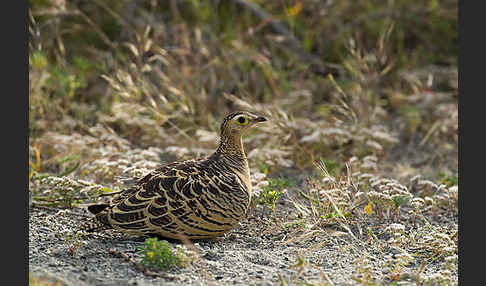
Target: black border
<point>471,129</point>
<point>15,104</point>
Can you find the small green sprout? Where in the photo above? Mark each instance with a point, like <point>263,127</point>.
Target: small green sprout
<point>398,201</point>
<point>273,191</point>
<point>158,255</point>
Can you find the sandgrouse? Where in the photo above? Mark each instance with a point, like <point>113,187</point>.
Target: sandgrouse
<point>199,198</point>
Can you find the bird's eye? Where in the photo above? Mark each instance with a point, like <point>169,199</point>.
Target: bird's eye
<point>242,120</point>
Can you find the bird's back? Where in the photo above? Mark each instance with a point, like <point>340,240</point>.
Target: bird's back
<point>195,198</point>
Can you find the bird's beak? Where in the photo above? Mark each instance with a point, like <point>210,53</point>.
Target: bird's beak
<point>261,119</point>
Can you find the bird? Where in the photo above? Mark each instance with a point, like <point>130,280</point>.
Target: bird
<point>192,199</point>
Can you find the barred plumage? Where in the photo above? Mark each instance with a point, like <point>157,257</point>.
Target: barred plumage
<point>199,198</point>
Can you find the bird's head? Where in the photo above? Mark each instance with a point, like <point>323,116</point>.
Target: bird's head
<point>236,123</point>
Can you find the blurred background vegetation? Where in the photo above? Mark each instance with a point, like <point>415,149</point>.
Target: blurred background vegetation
<point>364,80</point>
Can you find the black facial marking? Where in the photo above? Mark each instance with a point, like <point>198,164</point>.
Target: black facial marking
<point>229,117</point>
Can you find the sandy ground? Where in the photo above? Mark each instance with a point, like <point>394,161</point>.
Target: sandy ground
<point>257,252</point>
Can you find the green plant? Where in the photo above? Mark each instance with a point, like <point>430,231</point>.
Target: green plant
<point>448,180</point>
<point>273,191</point>
<point>74,241</point>
<point>158,255</point>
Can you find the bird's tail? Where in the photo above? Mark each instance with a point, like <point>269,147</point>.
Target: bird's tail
<point>99,222</point>
<point>94,225</point>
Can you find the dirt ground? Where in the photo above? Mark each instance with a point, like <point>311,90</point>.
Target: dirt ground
<point>257,252</point>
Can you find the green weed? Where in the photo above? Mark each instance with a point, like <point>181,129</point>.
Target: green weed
<point>159,255</point>
<point>273,191</point>
<point>448,180</point>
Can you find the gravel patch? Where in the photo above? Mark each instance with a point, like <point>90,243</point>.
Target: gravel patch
<point>255,253</point>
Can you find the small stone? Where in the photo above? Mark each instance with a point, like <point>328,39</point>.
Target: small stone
<point>210,255</point>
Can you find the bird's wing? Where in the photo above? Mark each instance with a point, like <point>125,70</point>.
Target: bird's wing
<point>135,184</point>
<point>190,195</point>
